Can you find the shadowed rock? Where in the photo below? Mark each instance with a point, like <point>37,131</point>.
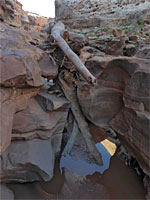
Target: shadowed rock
<point>27,161</point>
<point>12,101</point>
<point>120,100</point>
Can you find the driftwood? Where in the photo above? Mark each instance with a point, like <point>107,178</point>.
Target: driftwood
<point>66,83</point>
<point>57,31</point>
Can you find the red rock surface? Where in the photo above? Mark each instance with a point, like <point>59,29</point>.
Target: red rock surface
<point>11,12</point>
<point>11,101</point>
<point>120,100</point>
<point>20,76</point>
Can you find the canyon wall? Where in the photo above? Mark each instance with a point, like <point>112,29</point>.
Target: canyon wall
<point>87,13</point>
<point>11,12</point>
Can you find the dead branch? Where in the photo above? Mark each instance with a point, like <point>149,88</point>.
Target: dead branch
<point>57,31</point>
<point>66,83</point>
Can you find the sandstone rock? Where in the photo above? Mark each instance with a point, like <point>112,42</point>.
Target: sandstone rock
<point>33,119</point>
<point>130,50</point>
<point>48,67</point>
<point>11,101</point>
<point>9,33</point>
<point>5,192</point>
<point>121,101</point>
<point>116,47</point>
<point>27,161</point>
<point>11,12</point>
<point>143,53</point>
<point>45,116</point>
<point>134,120</point>
<point>36,22</point>
<point>19,61</point>
<point>102,102</point>
<point>19,68</point>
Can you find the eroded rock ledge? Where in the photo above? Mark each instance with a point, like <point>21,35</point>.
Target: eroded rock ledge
<point>32,121</point>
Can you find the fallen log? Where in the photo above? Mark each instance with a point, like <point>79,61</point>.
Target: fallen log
<point>57,32</point>
<point>70,92</point>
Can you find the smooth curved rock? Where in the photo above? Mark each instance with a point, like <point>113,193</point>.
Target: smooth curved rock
<point>44,118</point>
<point>121,101</point>
<point>27,161</point>
<point>102,102</point>
<point>11,101</point>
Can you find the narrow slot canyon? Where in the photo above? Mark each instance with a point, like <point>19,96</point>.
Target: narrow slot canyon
<point>74,99</point>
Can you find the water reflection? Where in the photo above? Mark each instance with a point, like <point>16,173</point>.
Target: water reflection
<point>83,168</point>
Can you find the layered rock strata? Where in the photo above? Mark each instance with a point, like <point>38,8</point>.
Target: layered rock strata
<point>32,121</point>
<point>120,101</point>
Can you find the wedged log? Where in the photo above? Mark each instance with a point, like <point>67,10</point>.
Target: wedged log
<point>70,93</point>
<point>58,30</point>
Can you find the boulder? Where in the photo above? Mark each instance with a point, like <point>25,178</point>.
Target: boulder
<point>11,101</point>
<point>22,64</point>
<point>27,161</point>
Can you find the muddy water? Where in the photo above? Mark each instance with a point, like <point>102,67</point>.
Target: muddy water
<point>120,181</point>
<point>84,168</point>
